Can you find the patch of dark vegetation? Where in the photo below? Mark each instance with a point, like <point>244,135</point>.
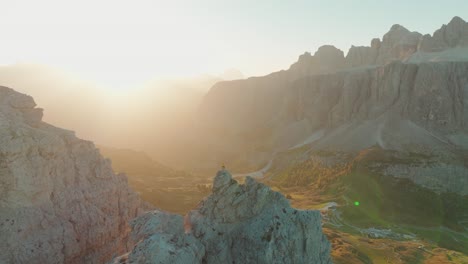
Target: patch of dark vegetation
<point>416,258</point>
<point>362,257</point>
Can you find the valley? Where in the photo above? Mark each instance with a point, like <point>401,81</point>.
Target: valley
<point>395,221</point>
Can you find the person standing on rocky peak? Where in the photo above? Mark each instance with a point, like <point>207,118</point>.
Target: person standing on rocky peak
<point>223,169</point>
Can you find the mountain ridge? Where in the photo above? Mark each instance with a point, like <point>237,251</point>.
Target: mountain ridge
<point>284,108</point>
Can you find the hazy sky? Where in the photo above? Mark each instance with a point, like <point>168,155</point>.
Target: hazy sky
<point>126,42</point>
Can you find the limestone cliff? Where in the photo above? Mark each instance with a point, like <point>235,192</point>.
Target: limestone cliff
<point>433,95</point>
<point>237,223</point>
<point>454,34</point>
<point>256,103</point>
<point>60,201</point>
<point>394,94</point>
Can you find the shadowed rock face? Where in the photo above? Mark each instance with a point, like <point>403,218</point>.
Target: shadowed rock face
<point>432,95</point>
<point>247,223</point>
<point>60,201</point>
<point>262,103</point>
<point>451,35</point>
<point>405,93</point>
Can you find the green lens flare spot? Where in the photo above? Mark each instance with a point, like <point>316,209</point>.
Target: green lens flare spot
<point>356,203</point>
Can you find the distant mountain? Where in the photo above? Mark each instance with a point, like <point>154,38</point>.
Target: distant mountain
<point>381,133</point>
<point>406,89</point>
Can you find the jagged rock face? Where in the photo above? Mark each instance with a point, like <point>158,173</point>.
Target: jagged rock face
<point>398,44</point>
<point>60,202</point>
<point>233,109</point>
<point>432,95</point>
<point>401,44</point>
<point>358,56</point>
<point>326,59</point>
<point>247,97</point>
<point>399,106</point>
<point>362,56</point>
<point>236,224</point>
<point>454,34</point>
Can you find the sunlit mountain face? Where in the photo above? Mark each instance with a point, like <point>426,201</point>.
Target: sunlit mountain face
<point>190,132</point>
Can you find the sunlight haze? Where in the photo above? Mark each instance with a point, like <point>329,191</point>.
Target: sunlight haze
<point>121,44</point>
<point>240,131</point>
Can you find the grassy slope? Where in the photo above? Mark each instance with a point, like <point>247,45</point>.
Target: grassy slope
<point>395,204</point>
<point>167,189</point>
<point>384,202</point>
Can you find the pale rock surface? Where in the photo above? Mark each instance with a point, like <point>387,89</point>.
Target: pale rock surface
<point>326,59</point>
<point>359,56</point>
<point>407,92</point>
<point>237,223</point>
<point>454,34</point>
<point>398,106</point>
<point>398,44</point>
<point>60,201</point>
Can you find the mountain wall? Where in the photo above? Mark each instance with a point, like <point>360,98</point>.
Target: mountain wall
<point>396,80</point>
<point>60,201</point>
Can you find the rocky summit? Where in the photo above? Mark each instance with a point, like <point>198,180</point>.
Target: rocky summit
<point>237,223</point>
<point>60,201</point>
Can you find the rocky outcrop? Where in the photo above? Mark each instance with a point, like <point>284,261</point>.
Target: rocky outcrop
<point>60,201</point>
<point>363,56</point>
<point>398,44</point>
<point>326,59</point>
<point>454,34</point>
<point>237,223</point>
<point>401,44</point>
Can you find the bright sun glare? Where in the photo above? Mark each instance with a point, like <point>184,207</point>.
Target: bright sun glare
<point>106,42</point>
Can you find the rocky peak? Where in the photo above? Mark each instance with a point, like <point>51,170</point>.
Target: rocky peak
<point>329,58</point>
<point>454,34</point>
<point>397,27</point>
<point>326,59</point>
<point>304,57</point>
<point>398,44</point>
<point>376,43</point>
<point>328,52</point>
<point>456,22</point>
<point>237,223</point>
<point>20,107</point>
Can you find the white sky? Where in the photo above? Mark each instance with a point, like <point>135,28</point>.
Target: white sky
<point>123,43</point>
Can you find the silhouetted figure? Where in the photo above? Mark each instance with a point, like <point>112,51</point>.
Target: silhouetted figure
<point>222,170</point>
